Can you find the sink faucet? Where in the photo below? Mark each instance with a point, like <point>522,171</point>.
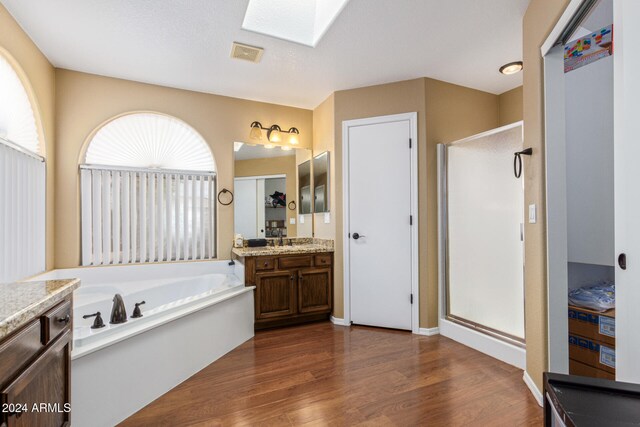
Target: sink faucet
<point>118,311</point>
<point>280,241</point>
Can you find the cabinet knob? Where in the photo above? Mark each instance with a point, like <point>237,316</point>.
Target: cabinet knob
<point>66,319</point>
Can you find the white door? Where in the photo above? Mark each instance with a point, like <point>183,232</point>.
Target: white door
<point>249,208</point>
<point>627,184</point>
<point>379,231</point>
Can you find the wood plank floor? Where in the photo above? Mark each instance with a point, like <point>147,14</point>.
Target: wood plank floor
<point>321,374</point>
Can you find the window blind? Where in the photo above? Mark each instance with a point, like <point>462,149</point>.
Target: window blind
<point>22,212</point>
<point>146,215</point>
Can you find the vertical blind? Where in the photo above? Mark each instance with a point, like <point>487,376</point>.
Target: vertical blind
<point>134,215</point>
<point>22,213</point>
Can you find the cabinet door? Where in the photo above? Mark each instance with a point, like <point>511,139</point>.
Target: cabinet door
<point>314,290</point>
<point>275,294</point>
<point>42,388</point>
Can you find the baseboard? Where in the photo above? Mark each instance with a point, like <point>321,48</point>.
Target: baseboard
<point>338,321</point>
<point>533,388</point>
<point>428,331</point>
<point>498,349</point>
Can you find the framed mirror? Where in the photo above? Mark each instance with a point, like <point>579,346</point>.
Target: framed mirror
<point>265,191</point>
<point>304,188</point>
<point>321,182</point>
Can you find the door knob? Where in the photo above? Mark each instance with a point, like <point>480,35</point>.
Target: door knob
<point>356,236</point>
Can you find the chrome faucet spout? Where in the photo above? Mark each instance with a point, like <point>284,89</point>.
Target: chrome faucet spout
<point>118,311</point>
<point>280,241</point>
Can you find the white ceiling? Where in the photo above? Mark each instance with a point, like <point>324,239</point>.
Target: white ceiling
<point>186,44</point>
<point>248,152</point>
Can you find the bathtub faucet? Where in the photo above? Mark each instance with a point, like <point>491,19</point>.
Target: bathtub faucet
<point>118,311</point>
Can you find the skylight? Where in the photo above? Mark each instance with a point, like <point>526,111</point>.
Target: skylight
<point>299,21</point>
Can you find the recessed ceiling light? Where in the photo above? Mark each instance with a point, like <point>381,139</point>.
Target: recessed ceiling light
<point>511,68</point>
<point>304,22</point>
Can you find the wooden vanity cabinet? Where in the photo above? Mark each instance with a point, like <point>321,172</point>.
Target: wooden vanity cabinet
<point>35,365</point>
<point>290,289</point>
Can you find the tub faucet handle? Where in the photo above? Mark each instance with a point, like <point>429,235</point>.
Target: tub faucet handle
<point>98,322</point>
<point>136,310</point>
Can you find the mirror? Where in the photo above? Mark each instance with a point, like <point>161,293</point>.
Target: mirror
<point>304,187</point>
<point>321,182</point>
<point>265,191</point>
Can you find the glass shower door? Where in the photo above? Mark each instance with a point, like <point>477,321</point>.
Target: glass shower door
<point>484,234</point>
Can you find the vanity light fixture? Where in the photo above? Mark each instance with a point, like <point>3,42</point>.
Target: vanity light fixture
<point>268,146</point>
<point>256,131</point>
<point>285,148</point>
<point>293,136</point>
<point>511,68</point>
<point>274,133</point>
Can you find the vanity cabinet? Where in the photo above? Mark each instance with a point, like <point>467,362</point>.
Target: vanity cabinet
<point>290,289</point>
<point>35,364</point>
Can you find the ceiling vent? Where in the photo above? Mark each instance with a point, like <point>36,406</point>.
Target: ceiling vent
<point>246,52</point>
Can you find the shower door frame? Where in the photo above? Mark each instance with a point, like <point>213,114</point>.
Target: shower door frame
<point>498,344</point>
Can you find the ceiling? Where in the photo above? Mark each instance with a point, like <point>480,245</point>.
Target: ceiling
<point>186,44</point>
<point>248,152</point>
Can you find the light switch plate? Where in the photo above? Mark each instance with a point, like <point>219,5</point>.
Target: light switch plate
<point>327,218</point>
<point>532,214</point>
<point>292,221</point>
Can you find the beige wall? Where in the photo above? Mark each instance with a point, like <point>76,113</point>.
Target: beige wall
<point>86,101</point>
<point>324,140</point>
<point>446,113</point>
<point>34,68</point>
<point>275,166</point>
<point>511,106</point>
<point>539,20</point>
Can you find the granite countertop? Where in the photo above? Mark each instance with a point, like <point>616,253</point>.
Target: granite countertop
<point>21,302</point>
<point>300,246</point>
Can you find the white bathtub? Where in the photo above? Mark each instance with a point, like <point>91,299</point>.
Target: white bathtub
<point>193,314</point>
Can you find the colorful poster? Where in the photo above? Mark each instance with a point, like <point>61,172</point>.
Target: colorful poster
<point>588,49</point>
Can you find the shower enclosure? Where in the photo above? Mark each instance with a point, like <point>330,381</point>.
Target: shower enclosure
<point>482,240</point>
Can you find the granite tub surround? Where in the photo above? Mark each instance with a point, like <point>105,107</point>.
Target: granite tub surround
<point>299,245</point>
<point>22,301</point>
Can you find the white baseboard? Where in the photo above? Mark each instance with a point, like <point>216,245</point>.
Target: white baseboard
<point>428,331</point>
<point>533,388</point>
<point>508,353</point>
<point>338,321</point>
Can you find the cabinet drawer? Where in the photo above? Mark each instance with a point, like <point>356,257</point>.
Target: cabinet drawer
<point>18,350</point>
<point>55,321</point>
<point>294,262</point>
<point>264,263</point>
<point>45,380</point>
<point>322,260</point>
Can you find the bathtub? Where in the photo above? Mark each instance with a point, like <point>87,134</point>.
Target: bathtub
<point>194,313</point>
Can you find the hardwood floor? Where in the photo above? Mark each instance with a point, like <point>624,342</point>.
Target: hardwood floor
<point>321,374</point>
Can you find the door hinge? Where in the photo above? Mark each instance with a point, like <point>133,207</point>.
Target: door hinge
<point>411,298</point>
<point>410,143</point>
<point>410,219</point>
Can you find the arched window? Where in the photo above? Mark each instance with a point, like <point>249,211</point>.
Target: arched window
<point>17,117</point>
<point>22,181</point>
<point>147,192</point>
